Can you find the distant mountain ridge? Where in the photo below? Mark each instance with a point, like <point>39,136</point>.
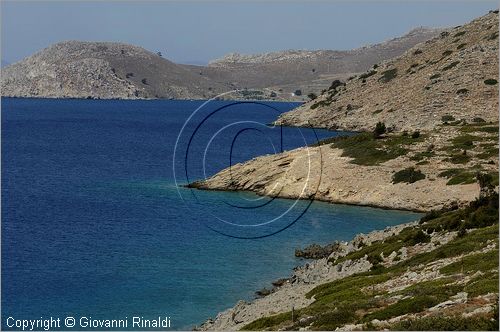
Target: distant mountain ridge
<point>420,33</point>
<point>76,69</point>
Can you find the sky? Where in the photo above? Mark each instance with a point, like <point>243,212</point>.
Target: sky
<point>198,31</point>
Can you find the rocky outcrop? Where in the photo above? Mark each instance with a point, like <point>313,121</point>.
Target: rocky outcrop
<point>324,174</point>
<point>316,251</point>
<point>453,75</point>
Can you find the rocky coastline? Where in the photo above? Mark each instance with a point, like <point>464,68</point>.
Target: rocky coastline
<point>453,260</point>
<point>290,291</point>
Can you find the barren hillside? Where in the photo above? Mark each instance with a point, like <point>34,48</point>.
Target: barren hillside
<point>102,70</point>
<point>452,76</point>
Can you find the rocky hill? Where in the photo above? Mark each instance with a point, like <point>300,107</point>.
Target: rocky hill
<point>452,76</point>
<point>389,48</point>
<point>286,72</point>
<point>103,70</point>
<point>77,69</point>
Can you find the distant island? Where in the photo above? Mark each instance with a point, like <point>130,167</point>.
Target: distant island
<point>108,70</point>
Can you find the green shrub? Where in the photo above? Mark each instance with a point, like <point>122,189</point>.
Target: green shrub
<point>447,118</point>
<point>458,176</point>
<point>374,258</point>
<point>481,128</point>
<point>437,75</point>
<point>459,47</point>
<point>388,75</point>
<point>490,81</point>
<point>478,119</point>
<point>462,91</point>
<point>379,130</point>
<point>335,84</point>
<point>480,213</point>
<point>461,33</point>
<point>408,175</point>
<point>451,65</point>
<point>406,306</point>
<point>329,321</point>
<point>462,158</point>
<point>367,74</point>
<point>266,322</point>
<point>477,262</point>
<point>367,150</point>
<point>447,52</point>
<point>484,284</point>
<point>312,96</point>
<point>417,237</point>
<point>463,142</point>
<point>415,134</point>
<point>422,155</point>
<point>440,323</point>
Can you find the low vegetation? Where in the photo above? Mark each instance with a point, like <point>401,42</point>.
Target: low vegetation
<point>376,147</point>
<point>367,74</point>
<point>360,299</point>
<point>388,75</point>
<point>371,149</point>
<point>408,175</point>
<point>450,66</point>
<point>458,176</point>
<point>447,118</point>
<point>379,130</point>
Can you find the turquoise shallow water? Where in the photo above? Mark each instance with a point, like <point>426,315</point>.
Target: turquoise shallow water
<point>93,223</point>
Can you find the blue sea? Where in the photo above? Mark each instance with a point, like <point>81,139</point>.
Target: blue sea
<point>96,221</point>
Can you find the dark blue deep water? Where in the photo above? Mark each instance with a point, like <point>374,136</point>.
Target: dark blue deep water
<point>94,225</point>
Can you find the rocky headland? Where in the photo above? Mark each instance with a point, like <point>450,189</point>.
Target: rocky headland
<point>423,158</point>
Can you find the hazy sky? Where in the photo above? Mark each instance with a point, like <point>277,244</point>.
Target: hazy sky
<point>197,31</point>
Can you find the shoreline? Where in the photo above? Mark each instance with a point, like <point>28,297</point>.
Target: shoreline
<point>193,185</point>
<point>300,102</point>
<point>303,278</point>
